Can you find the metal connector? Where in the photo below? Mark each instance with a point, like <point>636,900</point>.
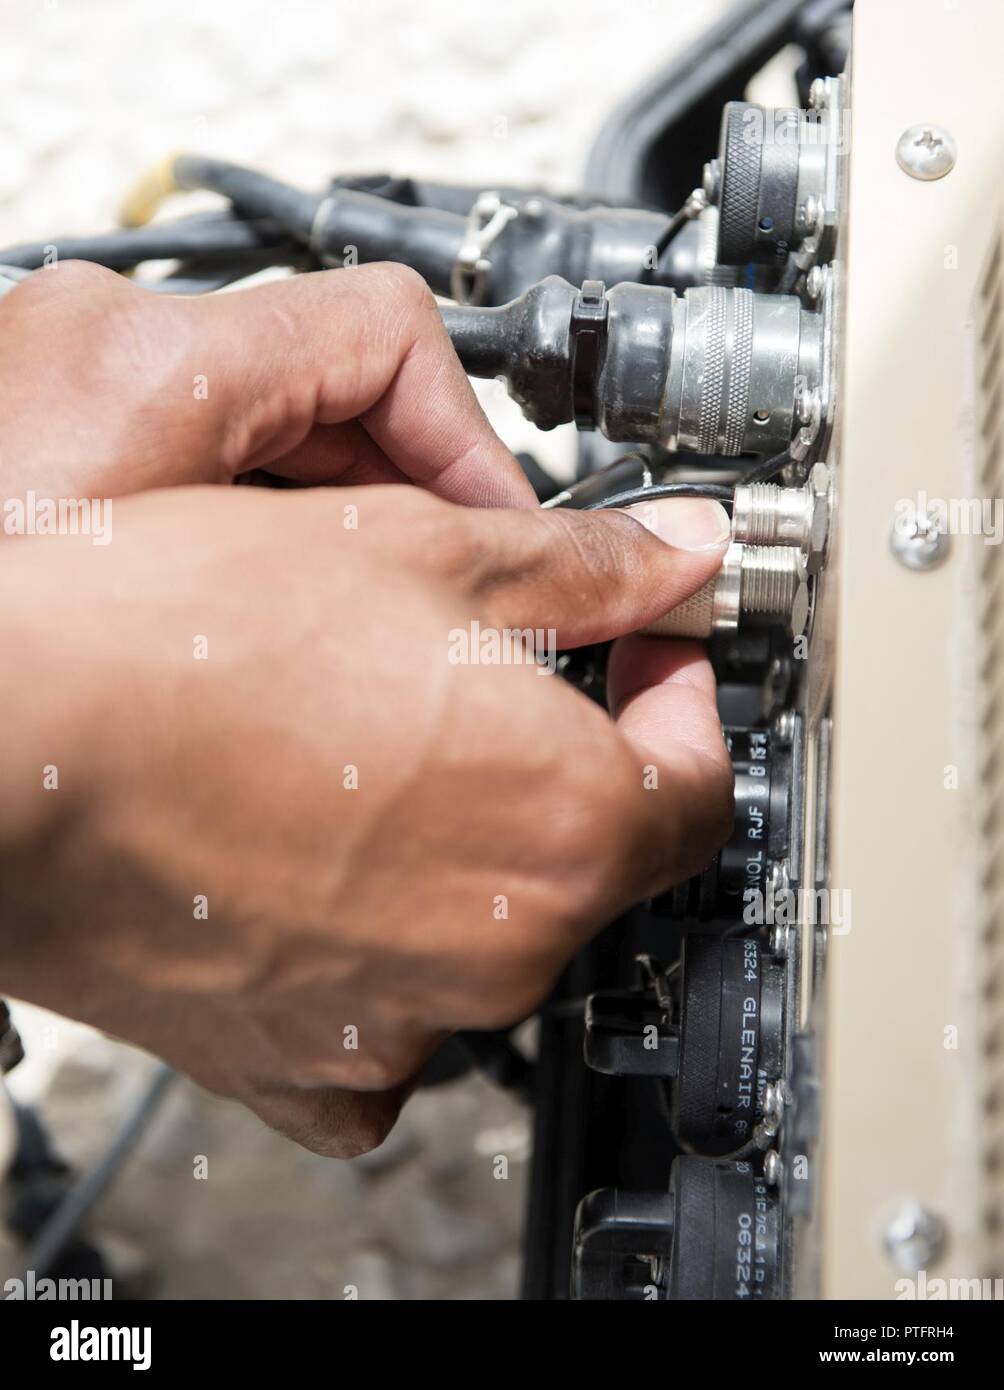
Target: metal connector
<point>768,583</point>
<point>766,514</point>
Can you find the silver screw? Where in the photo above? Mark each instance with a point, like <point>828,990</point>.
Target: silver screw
<point>914,1237</point>
<point>784,727</point>
<point>773,1168</point>
<point>773,1100</point>
<point>711,180</point>
<point>778,885</point>
<point>779,942</point>
<point>926,152</point>
<point>818,94</point>
<point>917,541</point>
<point>815,283</point>
<point>808,403</point>
<point>811,212</point>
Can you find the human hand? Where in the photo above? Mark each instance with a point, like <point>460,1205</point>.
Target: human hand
<point>343,376</point>
<point>291,844</point>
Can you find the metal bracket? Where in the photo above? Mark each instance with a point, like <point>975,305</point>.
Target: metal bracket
<point>486,219</point>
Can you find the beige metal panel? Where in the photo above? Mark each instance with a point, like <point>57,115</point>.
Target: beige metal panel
<point>901,1111</point>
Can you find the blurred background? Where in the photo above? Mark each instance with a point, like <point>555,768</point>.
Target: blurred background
<point>211,1204</point>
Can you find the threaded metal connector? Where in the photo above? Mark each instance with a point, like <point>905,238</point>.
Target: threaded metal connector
<point>766,514</point>
<point>767,582</point>
<point>771,576</point>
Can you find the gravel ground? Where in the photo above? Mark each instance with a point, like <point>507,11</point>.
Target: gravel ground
<point>94,93</point>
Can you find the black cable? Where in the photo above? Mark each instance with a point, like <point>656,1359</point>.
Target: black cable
<point>764,471</point>
<point>715,492</point>
<point>257,195</point>
<point>91,1186</point>
<point>676,223</point>
<point>220,235</point>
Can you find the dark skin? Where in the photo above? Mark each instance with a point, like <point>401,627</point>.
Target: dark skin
<point>387,846</point>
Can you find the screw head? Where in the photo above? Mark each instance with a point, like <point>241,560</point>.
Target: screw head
<point>810,213</point>
<point>784,727</point>
<point>815,282</point>
<point>914,1237</point>
<point>778,880</point>
<point>773,1168</point>
<point>808,404</point>
<point>711,180</point>
<point>773,1102</point>
<point>926,152</point>
<point>917,540</point>
<point>818,94</point>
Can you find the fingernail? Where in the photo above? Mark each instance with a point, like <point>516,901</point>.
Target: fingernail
<point>688,523</point>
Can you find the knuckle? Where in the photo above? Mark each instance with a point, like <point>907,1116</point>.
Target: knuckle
<point>381,1073</point>
<point>84,275</point>
<point>53,282</point>
<point>405,284</point>
<point>444,540</point>
<point>595,546</point>
<point>501,559</point>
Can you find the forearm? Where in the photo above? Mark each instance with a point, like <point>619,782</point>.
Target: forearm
<point>47,776</point>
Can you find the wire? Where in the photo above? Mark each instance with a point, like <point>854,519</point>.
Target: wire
<point>716,492</point>
<point>693,207</point>
<point>676,223</point>
<point>255,194</point>
<point>763,472</point>
<point>91,1186</point>
<point>204,235</point>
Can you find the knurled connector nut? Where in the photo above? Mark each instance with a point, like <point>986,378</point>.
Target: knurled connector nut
<point>766,582</point>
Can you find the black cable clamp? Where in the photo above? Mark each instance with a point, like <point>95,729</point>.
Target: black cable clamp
<point>588,330</point>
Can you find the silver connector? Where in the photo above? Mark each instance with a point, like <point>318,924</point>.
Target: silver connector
<point>744,371</point>
<point>766,514</point>
<point>765,582</point>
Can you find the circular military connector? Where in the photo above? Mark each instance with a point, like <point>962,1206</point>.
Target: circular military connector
<point>738,362</point>
<point>736,879</point>
<point>712,371</point>
<point>713,1235</point>
<point>731,1032</point>
<point>761,183</point>
<point>725,1232</point>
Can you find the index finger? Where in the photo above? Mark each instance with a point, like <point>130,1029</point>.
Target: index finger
<point>367,344</point>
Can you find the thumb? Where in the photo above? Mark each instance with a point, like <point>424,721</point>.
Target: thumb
<point>596,575</point>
